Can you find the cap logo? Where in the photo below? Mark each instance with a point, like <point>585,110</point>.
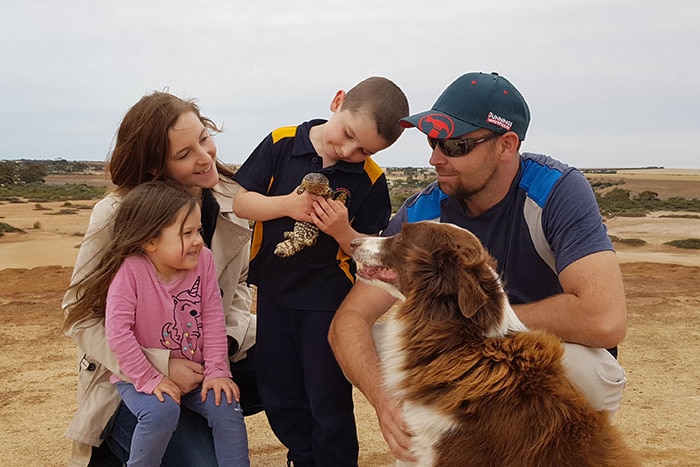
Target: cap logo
<point>437,126</point>
<point>499,121</point>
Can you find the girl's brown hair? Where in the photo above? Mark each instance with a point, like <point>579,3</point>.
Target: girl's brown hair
<point>142,215</point>
<point>142,145</point>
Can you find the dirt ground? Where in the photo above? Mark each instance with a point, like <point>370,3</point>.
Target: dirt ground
<point>659,416</point>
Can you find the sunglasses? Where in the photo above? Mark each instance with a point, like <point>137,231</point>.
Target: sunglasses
<point>458,147</point>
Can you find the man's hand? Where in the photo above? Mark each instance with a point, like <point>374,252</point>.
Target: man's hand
<point>391,422</point>
<point>219,385</point>
<point>186,374</point>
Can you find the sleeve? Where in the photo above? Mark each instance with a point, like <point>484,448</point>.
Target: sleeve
<point>256,172</point>
<point>373,215</point>
<point>90,336</point>
<point>120,318</point>
<point>215,344</point>
<point>572,222</point>
<point>237,302</point>
<point>230,247</point>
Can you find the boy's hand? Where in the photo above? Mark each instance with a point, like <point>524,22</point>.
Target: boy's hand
<point>300,206</point>
<point>218,385</point>
<point>167,386</point>
<point>331,217</point>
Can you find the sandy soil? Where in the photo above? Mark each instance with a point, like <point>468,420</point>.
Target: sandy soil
<point>659,416</point>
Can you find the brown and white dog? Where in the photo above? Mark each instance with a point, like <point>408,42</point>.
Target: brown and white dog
<point>478,388</point>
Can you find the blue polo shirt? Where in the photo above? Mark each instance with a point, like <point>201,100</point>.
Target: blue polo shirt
<point>317,277</point>
<point>548,220</point>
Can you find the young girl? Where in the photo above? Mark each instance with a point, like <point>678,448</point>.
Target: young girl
<point>162,137</point>
<point>158,283</point>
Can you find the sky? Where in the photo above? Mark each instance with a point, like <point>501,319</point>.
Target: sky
<point>609,83</point>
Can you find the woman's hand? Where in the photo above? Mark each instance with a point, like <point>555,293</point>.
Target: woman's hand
<point>186,374</point>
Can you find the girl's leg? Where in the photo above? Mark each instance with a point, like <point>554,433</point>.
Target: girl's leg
<point>227,426</point>
<point>156,423</point>
<point>191,444</point>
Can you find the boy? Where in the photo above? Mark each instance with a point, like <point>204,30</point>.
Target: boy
<point>307,399</point>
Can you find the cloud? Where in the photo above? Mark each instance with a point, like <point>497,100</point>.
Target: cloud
<point>608,83</point>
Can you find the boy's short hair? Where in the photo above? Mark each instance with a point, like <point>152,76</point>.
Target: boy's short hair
<point>385,103</point>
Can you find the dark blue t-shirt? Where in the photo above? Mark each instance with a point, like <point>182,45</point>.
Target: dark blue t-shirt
<point>549,219</point>
<point>317,277</point>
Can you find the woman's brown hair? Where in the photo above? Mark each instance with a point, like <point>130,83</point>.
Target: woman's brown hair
<point>142,145</point>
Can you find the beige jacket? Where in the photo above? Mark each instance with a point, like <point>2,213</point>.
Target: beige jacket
<point>97,397</point>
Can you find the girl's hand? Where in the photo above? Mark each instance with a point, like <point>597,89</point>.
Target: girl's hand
<point>167,386</point>
<point>219,385</point>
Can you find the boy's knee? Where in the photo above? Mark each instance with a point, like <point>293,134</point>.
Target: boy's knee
<point>597,374</point>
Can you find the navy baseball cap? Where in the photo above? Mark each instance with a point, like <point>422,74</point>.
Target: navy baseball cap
<point>473,101</point>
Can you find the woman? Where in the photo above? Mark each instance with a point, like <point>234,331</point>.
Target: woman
<point>163,137</point>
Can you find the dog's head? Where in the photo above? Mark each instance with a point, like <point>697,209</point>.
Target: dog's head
<point>440,264</point>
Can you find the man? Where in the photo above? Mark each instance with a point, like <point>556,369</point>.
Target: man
<point>536,216</point>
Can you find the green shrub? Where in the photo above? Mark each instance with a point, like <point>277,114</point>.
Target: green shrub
<point>688,243</point>
<point>632,241</point>
<point>682,216</point>
<point>42,193</point>
<point>62,212</point>
<point>8,228</point>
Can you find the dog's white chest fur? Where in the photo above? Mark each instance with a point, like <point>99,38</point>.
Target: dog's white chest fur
<point>427,424</point>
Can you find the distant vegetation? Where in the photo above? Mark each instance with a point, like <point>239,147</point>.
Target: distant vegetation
<point>8,228</point>
<point>688,243</point>
<point>31,171</point>
<point>619,202</point>
<point>405,181</point>
<point>25,179</point>
<point>40,193</point>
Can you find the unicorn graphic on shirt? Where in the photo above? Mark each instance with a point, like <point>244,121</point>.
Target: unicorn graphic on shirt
<point>184,331</point>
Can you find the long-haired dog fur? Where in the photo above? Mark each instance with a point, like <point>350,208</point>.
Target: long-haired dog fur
<point>478,388</point>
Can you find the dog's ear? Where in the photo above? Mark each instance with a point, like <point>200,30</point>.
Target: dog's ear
<point>478,283</point>
<point>471,296</point>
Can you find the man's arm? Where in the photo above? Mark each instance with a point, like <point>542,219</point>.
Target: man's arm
<point>591,310</point>
<point>350,337</point>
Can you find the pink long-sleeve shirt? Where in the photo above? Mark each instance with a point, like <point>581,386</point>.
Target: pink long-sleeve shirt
<point>184,315</point>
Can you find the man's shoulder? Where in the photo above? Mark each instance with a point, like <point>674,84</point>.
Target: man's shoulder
<point>431,192</point>
<point>424,205</point>
<point>541,174</point>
